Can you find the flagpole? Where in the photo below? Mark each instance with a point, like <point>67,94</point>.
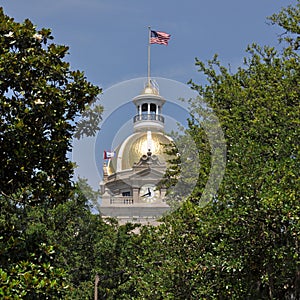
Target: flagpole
<point>149,37</point>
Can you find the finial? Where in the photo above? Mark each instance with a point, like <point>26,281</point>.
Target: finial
<point>151,87</point>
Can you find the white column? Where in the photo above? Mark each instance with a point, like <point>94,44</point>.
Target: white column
<point>135,195</point>
<point>148,108</point>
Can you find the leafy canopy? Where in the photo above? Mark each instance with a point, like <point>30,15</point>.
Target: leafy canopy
<point>40,98</point>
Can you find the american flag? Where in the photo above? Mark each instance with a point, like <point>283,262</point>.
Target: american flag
<point>159,37</point>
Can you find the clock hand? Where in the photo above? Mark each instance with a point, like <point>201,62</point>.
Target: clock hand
<point>148,194</point>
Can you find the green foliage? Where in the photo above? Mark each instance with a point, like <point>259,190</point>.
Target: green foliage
<point>33,280</point>
<point>197,158</point>
<point>41,211</point>
<point>84,244</point>
<point>245,243</point>
<point>255,227</point>
<point>40,98</point>
<point>242,245</point>
<point>288,20</point>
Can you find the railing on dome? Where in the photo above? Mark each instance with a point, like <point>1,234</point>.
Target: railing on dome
<point>149,117</point>
<point>121,200</point>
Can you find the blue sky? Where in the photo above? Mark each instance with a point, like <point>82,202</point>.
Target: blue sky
<point>108,38</point>
<point>108,41</point>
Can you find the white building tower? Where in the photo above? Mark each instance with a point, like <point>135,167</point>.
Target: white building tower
<point>131,188</point>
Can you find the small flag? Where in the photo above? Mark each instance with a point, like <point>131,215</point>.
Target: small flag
<point>159,37</point>
<point>108,154</point>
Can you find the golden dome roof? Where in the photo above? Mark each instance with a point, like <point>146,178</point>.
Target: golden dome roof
<point>136,145</point>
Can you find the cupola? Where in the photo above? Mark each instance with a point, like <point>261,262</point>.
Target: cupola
<point>149,109</point>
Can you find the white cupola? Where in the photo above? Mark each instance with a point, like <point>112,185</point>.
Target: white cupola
<point>149,109</point>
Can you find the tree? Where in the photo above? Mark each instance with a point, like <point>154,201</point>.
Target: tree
<point>33,280</point>
<point>40,100</point>
<point>245,243</point>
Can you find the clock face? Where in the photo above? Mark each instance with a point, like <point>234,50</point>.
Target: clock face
<point>149,193</point>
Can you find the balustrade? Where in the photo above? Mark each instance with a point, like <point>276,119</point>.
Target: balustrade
<point>121,200</point>
<point>149,117</point>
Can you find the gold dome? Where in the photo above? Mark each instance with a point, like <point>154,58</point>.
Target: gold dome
<point>136,145</point>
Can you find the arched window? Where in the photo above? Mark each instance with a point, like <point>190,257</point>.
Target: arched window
<point>152,108</point>
<point>145,108</point>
